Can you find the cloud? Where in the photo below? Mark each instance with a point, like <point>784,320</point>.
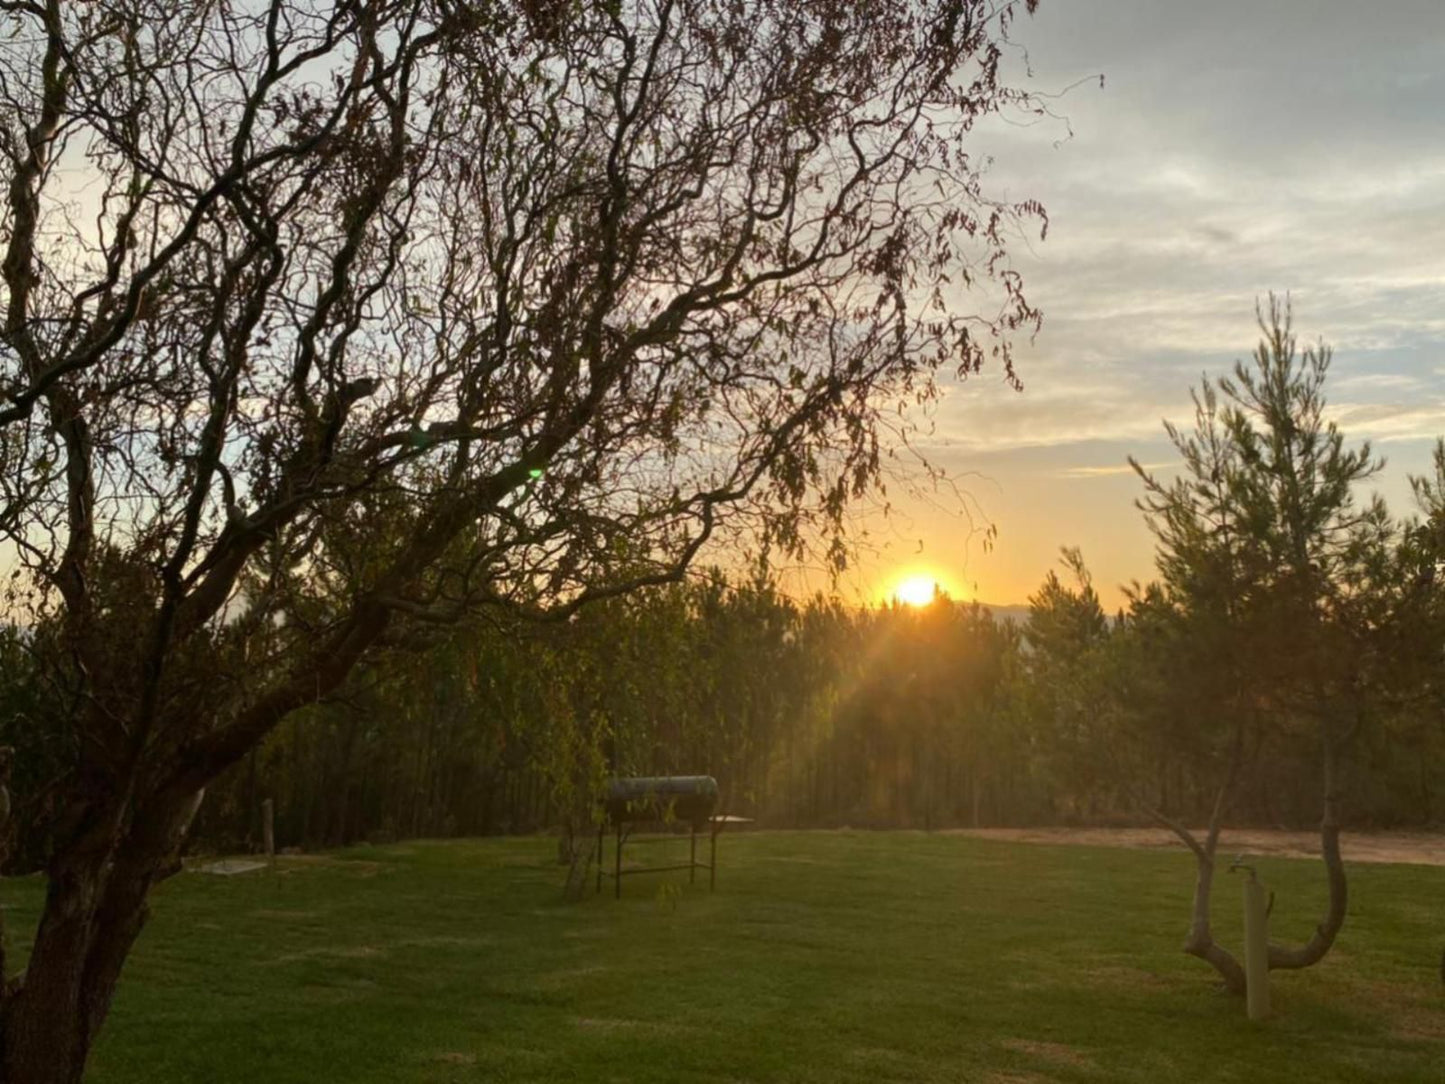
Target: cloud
<point>1365,382</point>
<point>1236,148</point>
<point>1109,472</point>
<point>1392,421</point>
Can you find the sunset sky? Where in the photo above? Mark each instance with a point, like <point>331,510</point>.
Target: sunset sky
<point>1235,148</point>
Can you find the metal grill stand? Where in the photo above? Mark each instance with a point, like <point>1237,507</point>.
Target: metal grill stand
<point>661,800</point>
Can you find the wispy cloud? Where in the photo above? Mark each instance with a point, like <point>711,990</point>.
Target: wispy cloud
<point>1213,167</point>
<point>1392,421</point>
<point>1109,472</point>
<point>1382,381</point>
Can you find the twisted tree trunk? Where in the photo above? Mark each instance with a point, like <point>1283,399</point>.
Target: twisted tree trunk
<point>1283,957</point>
<point>95,908</point>
<point>1200,940</point>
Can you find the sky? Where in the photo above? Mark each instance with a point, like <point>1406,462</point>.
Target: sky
<point>1234,148</point>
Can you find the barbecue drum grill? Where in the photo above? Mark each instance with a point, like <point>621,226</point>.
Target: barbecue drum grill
<point>666,799</point>
<point>687,798</point>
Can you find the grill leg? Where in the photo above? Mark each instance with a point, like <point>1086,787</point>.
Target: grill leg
<point>617,878</point>
<point>692,860</point>
<point>712,865</point>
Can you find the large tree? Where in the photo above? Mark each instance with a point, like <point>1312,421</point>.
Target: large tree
<point>325,321</point>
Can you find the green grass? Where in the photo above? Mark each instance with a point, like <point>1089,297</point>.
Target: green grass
<point>822,957</point>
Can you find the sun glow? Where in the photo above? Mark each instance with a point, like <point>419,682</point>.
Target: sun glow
<point>916,590</point>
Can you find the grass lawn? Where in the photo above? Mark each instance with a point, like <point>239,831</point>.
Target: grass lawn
<point>822,957</point>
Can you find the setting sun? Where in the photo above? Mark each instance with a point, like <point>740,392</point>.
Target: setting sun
<point>916,590</point>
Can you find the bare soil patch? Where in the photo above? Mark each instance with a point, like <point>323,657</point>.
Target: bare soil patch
<point>455,1057</point>
<point>1115,977</point>
<point>612,1023</point>
<point>1409,848</point>
<point>351,952</point>
<point>1059,1053</point>
<point>229,867</point>
<point>1418,1023</point>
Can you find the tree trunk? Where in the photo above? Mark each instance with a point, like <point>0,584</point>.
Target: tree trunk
<point>95,908</point>
<point>1200,941</point>
<point>46,1031</point>
<point>1283,957</point>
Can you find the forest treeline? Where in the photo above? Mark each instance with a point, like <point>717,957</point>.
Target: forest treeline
<point>1288,656</point>
<point>813,714</point>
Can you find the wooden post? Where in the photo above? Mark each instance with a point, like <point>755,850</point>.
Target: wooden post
<point>268,830</point>
<point>601,833</point>
<point>1256,948</point>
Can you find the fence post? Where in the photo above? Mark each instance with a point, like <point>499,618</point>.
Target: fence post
<point>268,829</point>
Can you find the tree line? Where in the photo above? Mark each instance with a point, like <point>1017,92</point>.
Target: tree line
<point>1288,622</point>
<point>1288,654</point>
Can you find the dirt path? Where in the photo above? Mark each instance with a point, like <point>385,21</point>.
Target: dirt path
<point>1413,848</point>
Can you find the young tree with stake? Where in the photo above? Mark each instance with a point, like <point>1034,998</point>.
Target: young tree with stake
<point>1281,595</point>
